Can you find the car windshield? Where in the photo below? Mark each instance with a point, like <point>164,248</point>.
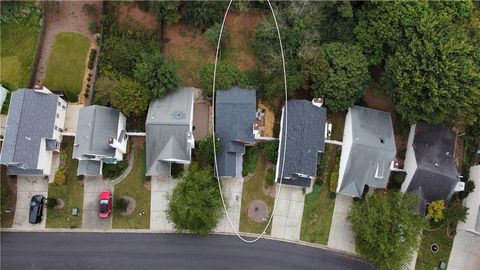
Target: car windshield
<point>33,203</point>
<point>103,206</point>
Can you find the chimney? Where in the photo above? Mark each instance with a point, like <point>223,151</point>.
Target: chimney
<point>117,145</point>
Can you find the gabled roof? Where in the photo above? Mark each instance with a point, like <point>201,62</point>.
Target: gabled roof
<point>31,118</point>
<point>436,174</point>
<point>168,127</point>
<point>372,151</point>
<point>305,130</point>
<point>234,116</point>
<point>95,126</point>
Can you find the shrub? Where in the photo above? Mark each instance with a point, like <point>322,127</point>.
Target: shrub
<point>333,181</point>
<point>103,90</point>
<point>435,210</point>
<point>91,59</point>
<point>270,177</point>
<point>89,9</point>
<point>212,33</point>
<point>80,177</point>
<point>59,179</point>
<point>52,203</point>
<point>89,79</point>
<point>63,155</point>
<point>250,160</point>
<point>86,95</point>
<point>93,27</point>
<point>121,205</point>
<point>271,149</point>
<point>112,171</point>
<point>456,213</point>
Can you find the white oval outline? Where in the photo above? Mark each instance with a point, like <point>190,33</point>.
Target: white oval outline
<point>284,113</point>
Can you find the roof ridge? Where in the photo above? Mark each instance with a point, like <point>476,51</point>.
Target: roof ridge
<point>19,121</point>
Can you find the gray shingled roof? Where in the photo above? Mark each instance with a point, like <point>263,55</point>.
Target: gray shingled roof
<point>373,149</point>
<point>305,131</point>
<point>167,128</point>
<point>95,126</point>
<point>436,173</point>
<point>31,117</point>
<point>234,116</point>
<point>89,167</point>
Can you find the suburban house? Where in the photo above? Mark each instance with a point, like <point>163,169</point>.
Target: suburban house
<point>429,163</point>
<point>33,131</point>
<point>100,138</point>
<point>466,245</point>
<point>302,132</point>
<point>169,131</point>
<point>3,95</point>
<point>234,118</point>
<point>368,151</point>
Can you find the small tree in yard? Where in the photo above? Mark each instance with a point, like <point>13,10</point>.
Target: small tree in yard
<point>212,34</point>
<point>121,205</point>
<point>195,203</point>
<point>435,210</point>
<point>59,179</point>
<point>130,98</point>
<point>204,150</point>
<point>52,203</point>
<point>386,228</point>
<point>456,213</point>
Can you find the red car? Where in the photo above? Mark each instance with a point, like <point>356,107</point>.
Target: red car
<point>105,204</point>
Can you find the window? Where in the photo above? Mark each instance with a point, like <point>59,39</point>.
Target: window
<point>59,129</point>
<point>58,115</point>
<point>56,128</point>
<point>63,107</point>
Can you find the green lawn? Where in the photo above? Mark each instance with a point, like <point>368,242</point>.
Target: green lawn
<point>132,186</point>
<point>317,215</point>
<point>18,44</point>
<point>427,260</point>
<point>253,190</point>
<point>71,193</point>
<point>66,64</point>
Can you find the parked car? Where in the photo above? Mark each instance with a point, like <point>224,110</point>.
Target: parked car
<point>105,204</point>
<point>36,209</point>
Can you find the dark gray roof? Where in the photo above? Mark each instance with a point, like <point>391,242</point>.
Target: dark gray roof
<point>89,167</point>
<point>31,117</point>
<point>373,149</point>
<point>436,173</point>
<point>168,128</point>
<point>305,130</point>
<point>95,126</point>
<point>234,116</point>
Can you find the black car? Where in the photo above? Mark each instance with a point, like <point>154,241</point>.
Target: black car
<point>36,209</point>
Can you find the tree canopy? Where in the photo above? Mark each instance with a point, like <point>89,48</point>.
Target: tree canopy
<point>203,14</point>
<point>228,75</point>
<point>386,228</point>
<point>130,98</point>
<point>156,74</point>
<point>195,204</point>
<point>212,34</point>
<point>167,11</point>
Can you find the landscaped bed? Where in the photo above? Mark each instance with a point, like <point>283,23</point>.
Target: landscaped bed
<point>428,260</point>
<point>71,192</point>
<point>66,64</point>
<point>253,189</point>
<point>133,187</point>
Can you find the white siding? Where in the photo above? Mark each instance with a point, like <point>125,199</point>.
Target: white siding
<point>277,168</point>
<point>410,164</point>
<point>44,161</point>
<point>346,148</point>
<point>60,121</point>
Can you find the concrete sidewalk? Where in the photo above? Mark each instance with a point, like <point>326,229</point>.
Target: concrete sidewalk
<point>341,235</point>
<point>232,191</point>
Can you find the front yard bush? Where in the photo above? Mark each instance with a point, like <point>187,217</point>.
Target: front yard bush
<point>59,179</point>
<point>271,149</point>
<point>250,160</point>
<point>52,203</point>
<point>333,181</point>
<point>121,205</point>
<point>91,60</point>
<point>113,171</point>
<point>270,177</point>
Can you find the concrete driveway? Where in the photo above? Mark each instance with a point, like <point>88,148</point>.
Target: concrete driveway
<point>341,235</point>
<point>93,187</point>
<point>161,186</point>
<point>28,186</point>
<point>287,219</point>
<point>232,194</point>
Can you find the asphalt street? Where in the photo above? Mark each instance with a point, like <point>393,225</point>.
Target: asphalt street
<point>52,251</point>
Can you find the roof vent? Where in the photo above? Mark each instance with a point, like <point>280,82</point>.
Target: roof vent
<point>447,153</point>
<point>436,164</point>
<point>28,138</point>
<point>381,140</point>
<point>178,115</point>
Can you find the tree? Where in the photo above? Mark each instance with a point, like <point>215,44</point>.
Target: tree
<point>104,86</point>
<point>130,98</point>
<point>203,14</point>
<point>204,151</point>
<point>456,213</point>
<point>271,149</point>
<point>435,210</point>
<point>167,11</point>
<point>437,75</point>
<point>346,79</point>
<point>89,9</point>
<point>121,205</point>
<point>212,34</point>
<point>156,74</point>
<point>195,203</point>
<point>227,76</point>
<point>52,202</point>
<point>386,228</point>
<point>92,27</point>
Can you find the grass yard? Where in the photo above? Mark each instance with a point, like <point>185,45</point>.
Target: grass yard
<point>66,64</point>
<point>132,186</point>
<point>253,190</point>
<point>427,260</point>
<point>71,193</point>
<point>18,44</point>
<point>187,48</point>
<point>317,215</point>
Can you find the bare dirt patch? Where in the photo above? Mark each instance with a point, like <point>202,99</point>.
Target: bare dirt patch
<point>61,204</point>
<point>258,211</point>
<point>148,185</point>
<point>135,18</point>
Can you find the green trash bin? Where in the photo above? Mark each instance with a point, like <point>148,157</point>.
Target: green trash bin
<point>442,265</point>
<point>74,211</point>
